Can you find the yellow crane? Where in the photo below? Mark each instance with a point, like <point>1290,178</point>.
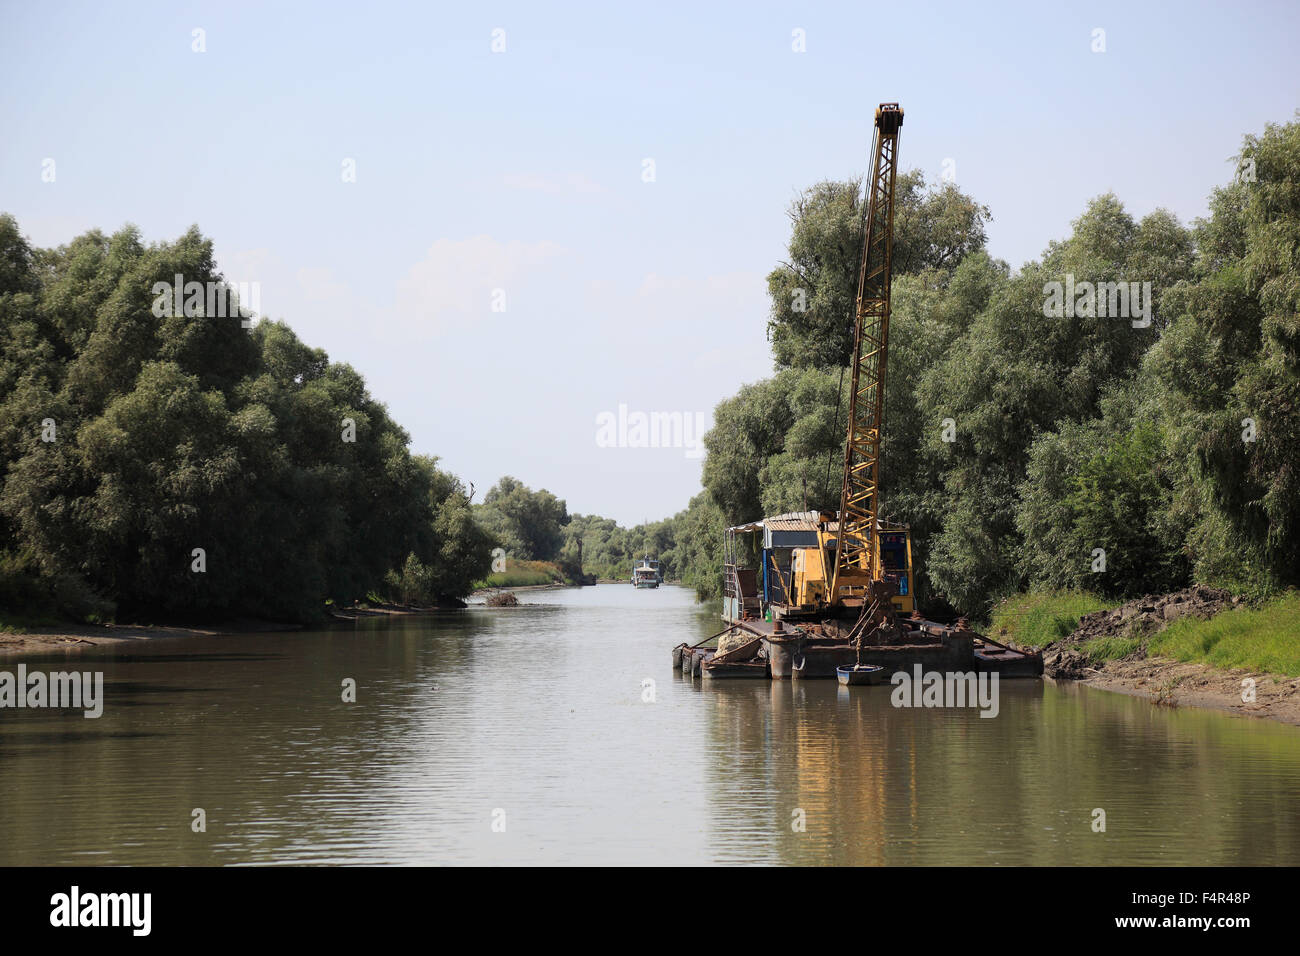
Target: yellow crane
<point>872,562</point>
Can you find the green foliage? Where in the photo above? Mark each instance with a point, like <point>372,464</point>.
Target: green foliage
<point>747,430</point>
<point>570,560</point>
<point>610,551</point>
<point>528,524</point>
<point>1015,376</point>
<point>1038,618</point>
<point>457,549</point>
<point>174,433</point>
<point>811,323</point>
<point>696,556</point>
<point>606,550</point>
<point>522,574</point>
<point>1107,483</point>
<point>413,584</point>
<point>687,545</point>
<point>1016,443</point>
<point>27,597</point>
<point>1234,355</point>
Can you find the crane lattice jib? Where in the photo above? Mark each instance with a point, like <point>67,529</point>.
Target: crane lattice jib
<point>859,498</point>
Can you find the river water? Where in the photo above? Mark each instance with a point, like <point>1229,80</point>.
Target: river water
<point>558,733</point>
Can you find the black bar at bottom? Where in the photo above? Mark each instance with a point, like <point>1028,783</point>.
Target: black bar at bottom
<point>333,905</point>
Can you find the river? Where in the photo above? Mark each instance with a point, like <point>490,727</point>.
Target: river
<point>558,733</point>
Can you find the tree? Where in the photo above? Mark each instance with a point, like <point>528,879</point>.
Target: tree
<point>1015,374</point>
<point>182,466</point>
<point>1229,369</point>
<point>528,523</point>
<point>1108,483</point>
<point>813,292</point>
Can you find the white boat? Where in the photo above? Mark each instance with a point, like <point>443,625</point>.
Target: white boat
<point>647,574</point>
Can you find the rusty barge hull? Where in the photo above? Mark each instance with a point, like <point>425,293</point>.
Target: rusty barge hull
<point>778,653</point>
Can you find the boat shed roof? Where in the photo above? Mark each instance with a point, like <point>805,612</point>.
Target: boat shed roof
<point>791,521</point>
<point>794,521</point>
<point>805,521</point>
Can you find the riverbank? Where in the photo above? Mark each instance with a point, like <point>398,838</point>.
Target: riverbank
<point>1179,684</point>
<point>521,574</point>
<point>1199,647</point>
<point>76,638</point>
<point>514,588</point>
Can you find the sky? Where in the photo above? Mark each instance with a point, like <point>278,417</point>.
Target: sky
<point>527,223</point>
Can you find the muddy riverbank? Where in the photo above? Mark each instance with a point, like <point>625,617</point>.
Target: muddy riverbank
<point>1249,693</point>
<point>1178,684</point>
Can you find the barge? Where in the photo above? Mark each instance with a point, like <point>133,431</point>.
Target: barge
<point>767,635</point>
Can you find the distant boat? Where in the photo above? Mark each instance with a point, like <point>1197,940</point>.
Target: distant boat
<point>647,574</point>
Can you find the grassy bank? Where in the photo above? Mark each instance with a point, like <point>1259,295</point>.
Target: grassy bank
<point>523,574</point>
<point>1266,638</point>
<point>1036,619</point>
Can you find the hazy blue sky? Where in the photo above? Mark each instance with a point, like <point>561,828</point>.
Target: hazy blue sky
<point>523,171</point>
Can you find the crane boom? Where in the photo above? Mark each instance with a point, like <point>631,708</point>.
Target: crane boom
<point>856,549</point>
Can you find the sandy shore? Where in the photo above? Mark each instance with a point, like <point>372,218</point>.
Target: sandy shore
<point>74,638</point>
<point>1199,685</point>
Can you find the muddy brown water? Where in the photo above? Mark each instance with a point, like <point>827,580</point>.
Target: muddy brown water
<point>534,720</point>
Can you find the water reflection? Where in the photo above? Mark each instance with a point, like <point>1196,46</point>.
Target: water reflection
<point>538,713</point>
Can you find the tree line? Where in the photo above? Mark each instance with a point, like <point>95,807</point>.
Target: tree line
<point>159,463</point>
<point>1031,442</point>
<point>537,526</point>
<point>1033,437</point>
<point>166,464</point>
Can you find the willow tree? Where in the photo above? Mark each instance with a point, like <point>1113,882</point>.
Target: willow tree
<point>1229,368</point>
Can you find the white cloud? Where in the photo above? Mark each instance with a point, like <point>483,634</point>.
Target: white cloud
<point>457,281</point>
